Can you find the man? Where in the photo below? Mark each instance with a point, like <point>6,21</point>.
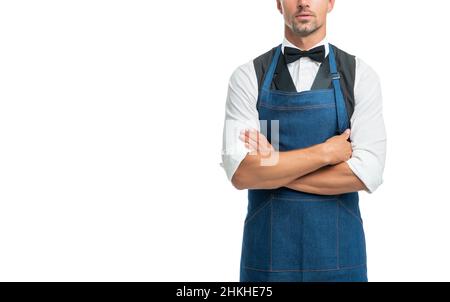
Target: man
<point>304,133</point>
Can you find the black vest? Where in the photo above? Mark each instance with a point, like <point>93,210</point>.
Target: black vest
<point>282,79</point>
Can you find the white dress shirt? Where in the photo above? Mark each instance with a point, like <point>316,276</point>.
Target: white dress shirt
<point>368,135</point>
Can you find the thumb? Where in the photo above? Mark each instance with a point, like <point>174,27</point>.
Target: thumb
<point>346,133</point>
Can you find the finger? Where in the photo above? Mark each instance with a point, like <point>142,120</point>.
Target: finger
<point>346,134</point>
<point>262,142</point>
<point>243,138</point>
<point>253,135</point>
<point>253,145</point>
<point>249,140</point>
<point>252,138</point>
<point>245,135</point>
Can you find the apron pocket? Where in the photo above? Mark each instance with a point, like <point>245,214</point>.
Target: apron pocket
<point>304,234</point>
<point>256,239</point>
<point>352,245</point>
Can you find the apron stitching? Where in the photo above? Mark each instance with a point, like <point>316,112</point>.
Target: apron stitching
<point>258,210</point>
<point>331,105</point>
<point>350,212</point>
<point>305,92</point>
<point>271,231</point>
<point>305,199</point>
<point>307,270</point>
<point>337,236</point>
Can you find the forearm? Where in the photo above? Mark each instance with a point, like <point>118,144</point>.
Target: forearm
<point>256,172</point>
<point>330,180</point>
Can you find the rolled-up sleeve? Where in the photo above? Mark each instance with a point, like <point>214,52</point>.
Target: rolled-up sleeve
<point>368,134</point>
<point>240,113</point>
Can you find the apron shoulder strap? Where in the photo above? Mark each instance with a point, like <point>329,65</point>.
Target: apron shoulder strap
<point>346,66</point>
<point>262,64</point>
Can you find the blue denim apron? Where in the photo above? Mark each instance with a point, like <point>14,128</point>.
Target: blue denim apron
<point>296,236</point>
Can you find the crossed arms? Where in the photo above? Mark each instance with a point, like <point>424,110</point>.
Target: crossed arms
<point>319,169</point>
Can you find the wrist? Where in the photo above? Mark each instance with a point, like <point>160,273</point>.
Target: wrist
<point>324,154</point>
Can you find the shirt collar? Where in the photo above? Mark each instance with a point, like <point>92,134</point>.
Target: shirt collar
<point>324,42</point>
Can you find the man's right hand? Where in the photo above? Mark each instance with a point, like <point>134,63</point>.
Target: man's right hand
<point>338,149</point>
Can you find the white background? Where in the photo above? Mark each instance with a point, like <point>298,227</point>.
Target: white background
<point>111,116</point>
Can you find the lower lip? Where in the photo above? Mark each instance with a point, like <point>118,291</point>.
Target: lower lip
<point>304,17</point>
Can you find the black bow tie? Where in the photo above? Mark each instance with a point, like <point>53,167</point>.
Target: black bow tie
<point>293,54</point>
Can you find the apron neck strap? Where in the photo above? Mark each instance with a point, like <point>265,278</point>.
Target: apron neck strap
<point>269,75</point>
